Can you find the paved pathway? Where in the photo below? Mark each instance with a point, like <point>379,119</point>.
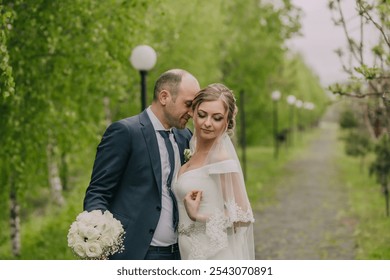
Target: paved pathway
<point>309,220</point>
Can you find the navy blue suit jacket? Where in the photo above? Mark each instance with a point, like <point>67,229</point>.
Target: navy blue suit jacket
<point>126,180</point>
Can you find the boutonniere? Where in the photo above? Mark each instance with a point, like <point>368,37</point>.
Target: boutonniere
<point>187,155</point>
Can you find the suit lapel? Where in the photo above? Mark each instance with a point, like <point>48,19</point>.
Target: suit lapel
<point>151,142</point>
<point>181,144</point>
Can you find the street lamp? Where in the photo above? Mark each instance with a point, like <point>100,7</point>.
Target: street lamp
<point>298,104</point>
<point>291,101</point>
<point>309,106</point>
<point>143,58</point>
<point>276,95</point>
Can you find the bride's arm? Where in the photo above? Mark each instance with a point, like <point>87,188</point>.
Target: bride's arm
<point>192,203</point>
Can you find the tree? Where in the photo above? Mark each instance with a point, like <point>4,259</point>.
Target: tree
<point>370,82</point>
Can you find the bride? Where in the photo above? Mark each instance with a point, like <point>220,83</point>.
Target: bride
<point>215,216</point>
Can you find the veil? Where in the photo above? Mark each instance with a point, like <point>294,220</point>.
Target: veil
<point>231,226</point>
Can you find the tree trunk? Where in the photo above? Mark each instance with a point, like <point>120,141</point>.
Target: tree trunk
<point>54,177</point>
<point>107,110</point>
<point>14,220</point>
<point>64,172</point>
<point>386,193</point>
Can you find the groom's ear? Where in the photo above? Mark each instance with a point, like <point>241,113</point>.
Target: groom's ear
<point>163,97</point>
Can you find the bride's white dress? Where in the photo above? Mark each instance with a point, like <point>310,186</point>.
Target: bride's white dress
<point>216,239</point>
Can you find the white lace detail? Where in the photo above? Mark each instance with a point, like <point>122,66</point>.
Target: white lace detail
<point>206,239</point>
<point>216,231</point>
<point>191,228</point>
<point>236,213</point>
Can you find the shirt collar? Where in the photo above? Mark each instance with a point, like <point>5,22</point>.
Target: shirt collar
<point>157,125</point>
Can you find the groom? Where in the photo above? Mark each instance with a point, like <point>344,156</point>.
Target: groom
<point>132,170</point>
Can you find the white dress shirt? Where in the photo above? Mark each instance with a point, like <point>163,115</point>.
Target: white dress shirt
<point>164,234</point>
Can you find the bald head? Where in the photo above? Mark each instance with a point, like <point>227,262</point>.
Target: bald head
<point>171,80</point>
<point>173,94</point>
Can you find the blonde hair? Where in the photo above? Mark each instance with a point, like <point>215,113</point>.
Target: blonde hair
<point>215,92</point>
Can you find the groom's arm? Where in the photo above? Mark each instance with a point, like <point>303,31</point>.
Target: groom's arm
<point>111,159</point>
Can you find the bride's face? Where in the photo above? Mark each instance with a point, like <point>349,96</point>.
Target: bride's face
<point>210,119</point>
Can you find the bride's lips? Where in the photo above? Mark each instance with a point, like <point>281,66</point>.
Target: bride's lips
<point>206,131</point>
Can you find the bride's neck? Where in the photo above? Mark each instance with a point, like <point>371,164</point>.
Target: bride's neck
<point>204,146</point>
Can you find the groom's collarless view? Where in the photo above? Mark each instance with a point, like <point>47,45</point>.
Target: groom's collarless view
<point>134,166</point>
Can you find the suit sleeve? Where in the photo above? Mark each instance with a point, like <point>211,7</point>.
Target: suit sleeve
<point>110,162</point>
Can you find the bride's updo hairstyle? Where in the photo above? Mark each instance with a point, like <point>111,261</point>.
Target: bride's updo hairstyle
<point>214,92</point>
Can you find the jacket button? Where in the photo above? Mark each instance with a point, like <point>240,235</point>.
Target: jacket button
<point>151,231</point>
<point>158,208</point>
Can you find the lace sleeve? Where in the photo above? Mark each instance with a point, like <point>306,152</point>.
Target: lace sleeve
<point>237,205</point>
<point>232,186</point>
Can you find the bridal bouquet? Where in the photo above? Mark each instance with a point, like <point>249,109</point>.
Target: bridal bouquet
<point>96,235</point>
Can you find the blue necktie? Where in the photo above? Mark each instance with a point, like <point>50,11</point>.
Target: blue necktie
<point>168,144</point>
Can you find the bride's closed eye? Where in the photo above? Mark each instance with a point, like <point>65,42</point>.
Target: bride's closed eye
<point>217,117</point>
<point>202,115</point>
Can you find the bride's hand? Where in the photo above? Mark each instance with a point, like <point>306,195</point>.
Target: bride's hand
<point>192,203</point>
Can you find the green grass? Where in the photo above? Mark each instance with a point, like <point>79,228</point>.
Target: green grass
<point>367,205</point>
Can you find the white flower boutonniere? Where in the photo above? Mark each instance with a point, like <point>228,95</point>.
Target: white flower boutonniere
<point>187,155</point>
<point>96,235</point>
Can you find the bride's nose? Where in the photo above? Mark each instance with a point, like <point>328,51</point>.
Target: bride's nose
<point>207,122</point>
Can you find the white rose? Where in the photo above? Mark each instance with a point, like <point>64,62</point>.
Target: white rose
<point>117,226</point>
<point>108,215</point>
<point>93,250</point>
<point>106,241</point>
<point>73,228</point>
<point>92,234</point>
<point>82,230</point>
<point>73,239</point>
<point>82,216</point>
<point>95,218</point>
<point>79,249</point>
<point>101,225</point>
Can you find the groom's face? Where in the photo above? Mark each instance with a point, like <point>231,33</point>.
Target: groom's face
<point>178,107</point>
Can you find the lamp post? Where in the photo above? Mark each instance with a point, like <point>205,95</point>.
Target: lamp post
<point>309,106</point>
<point>291,101</point>
<point>275,98</point>
<point>298,104</point>
<point>143,58</point>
